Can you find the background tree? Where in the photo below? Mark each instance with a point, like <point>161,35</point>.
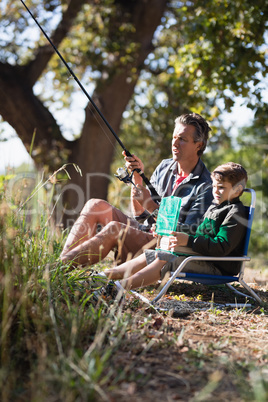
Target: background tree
<point>146,61</point>
<point>252,144</point>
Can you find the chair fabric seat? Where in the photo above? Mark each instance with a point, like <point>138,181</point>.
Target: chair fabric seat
<point>206,279</point>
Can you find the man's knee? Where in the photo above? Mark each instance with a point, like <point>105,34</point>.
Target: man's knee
<point>96,205</point>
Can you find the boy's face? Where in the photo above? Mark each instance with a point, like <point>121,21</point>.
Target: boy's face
<point>223,191</point>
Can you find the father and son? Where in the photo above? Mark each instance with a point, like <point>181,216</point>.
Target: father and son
<point>211,220</point>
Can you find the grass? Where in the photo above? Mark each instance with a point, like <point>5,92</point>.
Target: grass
<point>58,344</point>
<point>54,340</point>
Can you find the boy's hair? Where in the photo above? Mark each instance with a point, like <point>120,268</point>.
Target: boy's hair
<point>201,128</point>
<point>231,172</point>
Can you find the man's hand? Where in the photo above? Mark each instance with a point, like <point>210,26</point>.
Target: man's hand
<point>143,196</point>
<point>133,162</point>
<point>178,239</point>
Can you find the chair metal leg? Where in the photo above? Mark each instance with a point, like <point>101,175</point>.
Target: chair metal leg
<point>171,280</point>
<point>237,291</point>
<point>245,285</point>
<point>251,291</point>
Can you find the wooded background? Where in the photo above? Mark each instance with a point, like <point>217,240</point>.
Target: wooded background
<point>143,62</point>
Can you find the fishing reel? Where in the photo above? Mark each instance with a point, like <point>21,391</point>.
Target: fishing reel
<point>123,175</point>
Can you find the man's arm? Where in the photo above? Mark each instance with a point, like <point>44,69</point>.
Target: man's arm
<point>143,197</point>
<point>141,200</point>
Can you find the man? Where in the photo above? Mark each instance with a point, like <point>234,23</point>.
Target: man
<point>184,176</point>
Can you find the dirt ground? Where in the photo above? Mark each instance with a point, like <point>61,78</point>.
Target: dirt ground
<point>195,352</point>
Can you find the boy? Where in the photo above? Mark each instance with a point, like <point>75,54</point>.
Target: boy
<point>221,233</point>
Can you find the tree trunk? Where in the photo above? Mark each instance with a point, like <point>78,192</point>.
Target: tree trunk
<point>30,118</point>
<point>94,150</point>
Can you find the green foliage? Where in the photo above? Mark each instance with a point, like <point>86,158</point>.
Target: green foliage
<point>201,49</point>
<point>18,34</point>
<point>249,148</point>
<point>54,341</point>
<point>204,52</point>
<point>4,179</point>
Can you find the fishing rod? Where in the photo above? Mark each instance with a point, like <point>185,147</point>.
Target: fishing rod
<point>122,173</point>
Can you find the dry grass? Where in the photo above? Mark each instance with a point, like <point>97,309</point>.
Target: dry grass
<point>205,355</point>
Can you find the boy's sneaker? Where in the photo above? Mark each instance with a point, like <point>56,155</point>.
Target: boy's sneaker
<point>112,290</point>
<point>98,279</point>
<point>95,280</point>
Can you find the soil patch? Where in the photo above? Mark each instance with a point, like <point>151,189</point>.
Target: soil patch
<point>204,352</point>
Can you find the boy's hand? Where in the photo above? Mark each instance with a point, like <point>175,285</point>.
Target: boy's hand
<point>178,239</point>
<point>153,229</point>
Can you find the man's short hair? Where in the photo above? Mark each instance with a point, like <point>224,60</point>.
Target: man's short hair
<point>201,128</point>
<point>231,172</point>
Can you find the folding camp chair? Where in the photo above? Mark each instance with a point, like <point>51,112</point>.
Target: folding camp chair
<point>218,279</point>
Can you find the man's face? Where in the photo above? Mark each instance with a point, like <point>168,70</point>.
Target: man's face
<point>183,146</point>
<point>223,191</point>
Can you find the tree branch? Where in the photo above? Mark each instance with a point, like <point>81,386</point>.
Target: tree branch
<point>35,68</point>
<point>28,115</point>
